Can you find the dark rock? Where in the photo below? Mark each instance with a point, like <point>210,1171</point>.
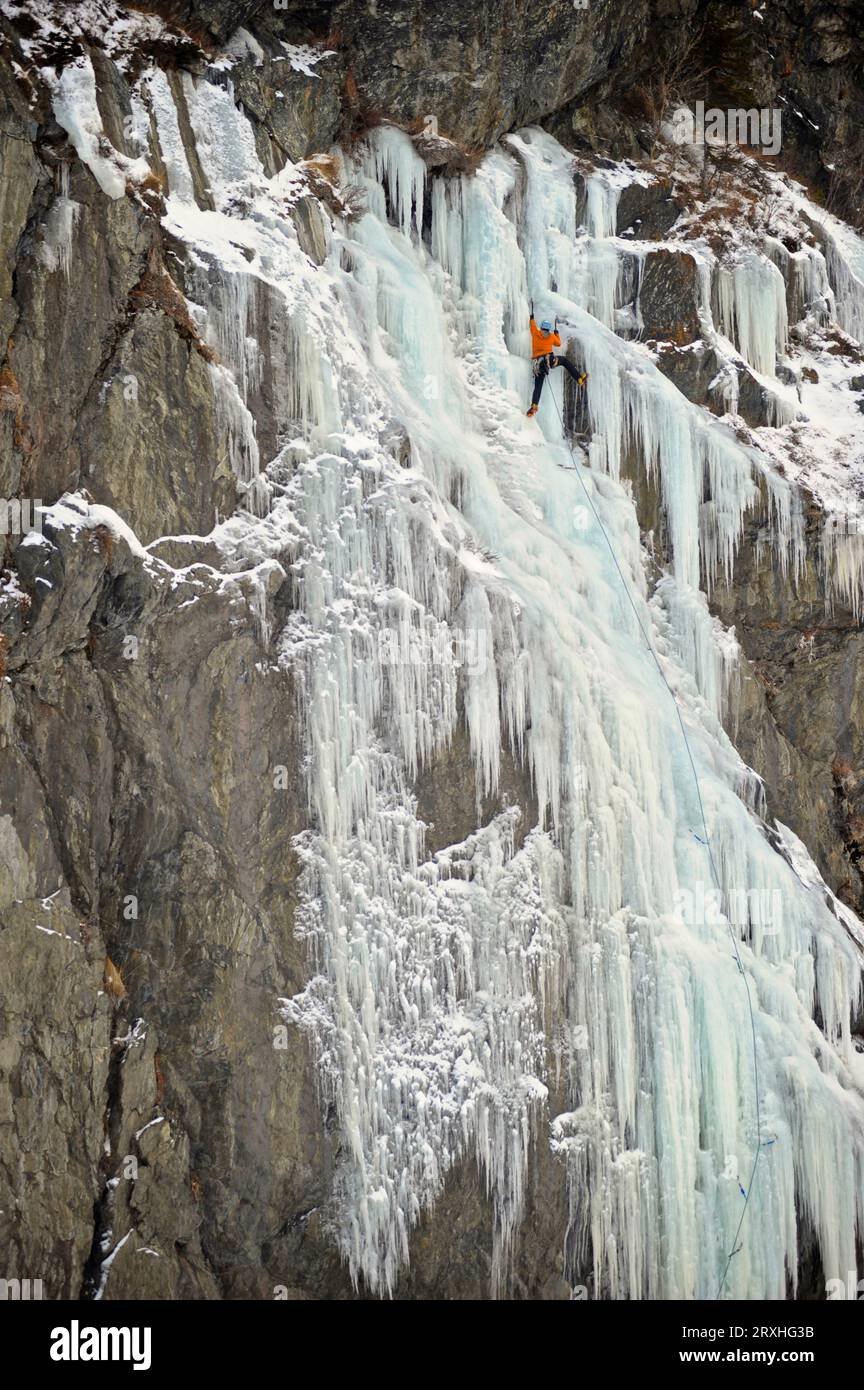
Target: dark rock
<point>692,368</point>
<point>296,115</point>
<point>752,397</point>
<point>647,211</point>
<point>480,70</point>
<point>201,969</point>
<point>54,1060</point>
<point>795,717</point>
<point>447,796</point>
<point>721,384</point>
<point>20,172</point>
<point>68,319</point>
<point>669,297</point>
<point>200,187</point>
<point>149,442</point>
<point>214,18</point>
<point>814,64</point>
<point>788,374</point>
<point>112,98</point>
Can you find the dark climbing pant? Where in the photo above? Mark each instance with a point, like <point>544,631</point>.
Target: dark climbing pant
<point>542,367</point>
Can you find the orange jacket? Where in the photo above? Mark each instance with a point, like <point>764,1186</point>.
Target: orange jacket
<point>541,342</point>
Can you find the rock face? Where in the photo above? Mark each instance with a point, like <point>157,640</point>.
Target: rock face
<point>814,67</point>
<point>485,68</point>
<point>480,69</point>
<point>214,18</point>
<point>151,701</point>
<point>704,377</point>
<point>798,714</point>
<point>669,297</point>
<point>296,114</point>
<point>151,777</point>
<point>102,386</point>
<point>647,212</point>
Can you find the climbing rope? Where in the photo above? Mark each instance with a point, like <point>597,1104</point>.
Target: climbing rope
<point>707,842</point>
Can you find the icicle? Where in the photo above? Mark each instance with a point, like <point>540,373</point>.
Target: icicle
<point>703,646</point>
<point>237,427</point>
<point>808,290</point>
<point>751,310</point>
<point>845,256</point>
<point>231,322</point>
<point>393,163</point>
<point>447,225</point>
<point>843,551</point>
<point>55,249</point>
<point>601,206</point>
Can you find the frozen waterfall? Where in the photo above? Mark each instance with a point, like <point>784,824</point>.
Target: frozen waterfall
<point>452,995</point>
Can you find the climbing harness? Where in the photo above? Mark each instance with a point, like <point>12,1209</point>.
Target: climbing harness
<point>706,842</point>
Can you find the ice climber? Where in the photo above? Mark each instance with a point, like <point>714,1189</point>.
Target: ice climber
<point>543,359</point>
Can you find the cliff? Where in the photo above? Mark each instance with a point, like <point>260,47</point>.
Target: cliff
<point>245,377</point>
